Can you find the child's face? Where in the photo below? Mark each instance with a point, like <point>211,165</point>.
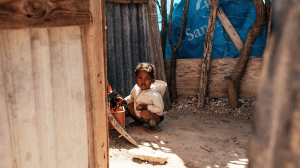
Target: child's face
<point>144,80</point>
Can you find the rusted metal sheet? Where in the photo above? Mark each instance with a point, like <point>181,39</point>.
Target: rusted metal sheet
<point>128,43</point>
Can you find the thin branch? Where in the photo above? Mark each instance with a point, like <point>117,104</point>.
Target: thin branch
<point>172,81</point>
<point>160,8</point>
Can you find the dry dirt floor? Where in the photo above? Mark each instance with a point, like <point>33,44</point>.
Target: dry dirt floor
<point>188,137</point>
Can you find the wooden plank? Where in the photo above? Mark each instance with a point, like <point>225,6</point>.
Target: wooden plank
<point>41,65</point>
<point>152,159</point>
<point>233,34</point>
<point>29,121</point>
<point>20,93</point>
<point>127,1</point>
<point>189,70</point>
<point>77,94</point>
<point>68,93</point>
<point>61,102</point>
<point>6,151</point>
<point>86,50</point>
<point>95,69</point>
<point>43,13</point>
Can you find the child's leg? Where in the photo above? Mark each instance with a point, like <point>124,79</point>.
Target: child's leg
<point>132,112</point>
<point>147,116</point>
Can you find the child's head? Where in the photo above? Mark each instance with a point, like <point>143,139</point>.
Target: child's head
<point>145,75</point>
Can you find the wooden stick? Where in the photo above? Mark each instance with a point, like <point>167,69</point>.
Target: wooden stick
<point>207,53</point>
<point>233,34</point>
<point>164,26</point>
<point>172,81</point>
<point>120,128</point>
<point>205,149</point>
<point>152,159</point>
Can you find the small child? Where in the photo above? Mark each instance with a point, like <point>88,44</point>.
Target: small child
<point>145,102</point>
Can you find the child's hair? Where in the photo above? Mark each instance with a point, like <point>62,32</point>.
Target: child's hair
<point>147,67</point>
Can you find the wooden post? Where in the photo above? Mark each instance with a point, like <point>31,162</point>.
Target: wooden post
<point>164,26</point>
<point>207,53</point>
<point>234,80</point>
<point>94,56</point>
<point>157,50</point>
<point>172,81</point>
<point>43,91</point>
<point>276,129</point>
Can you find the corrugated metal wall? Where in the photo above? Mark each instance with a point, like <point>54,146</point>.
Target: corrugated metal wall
<point>128,42</point>
<point>42,99</point>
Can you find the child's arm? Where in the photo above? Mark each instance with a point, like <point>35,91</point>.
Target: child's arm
<point>142,107</point>
<point>126,100</point>
<point>158,104</point>
<point>121,100</point>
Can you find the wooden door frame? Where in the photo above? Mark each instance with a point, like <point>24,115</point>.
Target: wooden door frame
<point>90,15</point>
<point>95,77</point>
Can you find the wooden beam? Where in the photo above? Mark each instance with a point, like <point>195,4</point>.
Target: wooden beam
<point>16,14</point>
<point>127,1</point>
<point>95,74</point>
<point>188,75</point>
<point>233,34</point>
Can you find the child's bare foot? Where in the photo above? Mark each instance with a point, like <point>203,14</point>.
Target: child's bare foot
<point>153,129</point>
<point>135,123</point>
<point>153,123</point>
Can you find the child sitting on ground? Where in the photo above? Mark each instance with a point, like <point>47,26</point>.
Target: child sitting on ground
<point>145,102</point>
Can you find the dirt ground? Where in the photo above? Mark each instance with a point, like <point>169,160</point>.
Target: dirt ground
<point>188,137</point>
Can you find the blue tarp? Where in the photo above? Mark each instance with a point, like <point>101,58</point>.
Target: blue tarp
<point>241,13</point>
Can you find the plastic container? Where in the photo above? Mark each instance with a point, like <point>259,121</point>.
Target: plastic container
<point>119,115</point>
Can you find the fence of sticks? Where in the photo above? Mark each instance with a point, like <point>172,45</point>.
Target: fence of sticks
<point>230,78</point>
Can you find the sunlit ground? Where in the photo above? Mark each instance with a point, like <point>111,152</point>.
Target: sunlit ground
<point>148,149</point>
<point>154,149</point>
<point>241,163</point>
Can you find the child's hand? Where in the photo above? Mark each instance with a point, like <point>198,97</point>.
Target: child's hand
<point>121,100</point>
<point>142,107</point>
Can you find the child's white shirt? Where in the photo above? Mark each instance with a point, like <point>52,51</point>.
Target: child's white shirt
<point>152,97</point>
